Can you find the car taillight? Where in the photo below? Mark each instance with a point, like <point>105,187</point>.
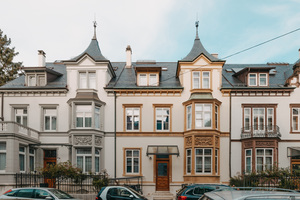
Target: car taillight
<point>97,198</point>
<point>7,191</point>
<point>182,198</point>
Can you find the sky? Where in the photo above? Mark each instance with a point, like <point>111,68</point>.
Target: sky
<point>161,30</point>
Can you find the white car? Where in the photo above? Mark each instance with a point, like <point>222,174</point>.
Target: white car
<point>119,192</point>
<point>36,193</point>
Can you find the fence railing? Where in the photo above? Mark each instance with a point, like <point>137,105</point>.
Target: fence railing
<point>83,184</point>
<point>270,131</point>
<point>14,127</point>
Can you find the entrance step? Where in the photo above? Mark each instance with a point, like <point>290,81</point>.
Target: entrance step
<point>163,195</point>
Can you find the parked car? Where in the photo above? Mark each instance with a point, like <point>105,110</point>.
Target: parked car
<point>254,194</point>
<point>194,191</point>
<point>36,193</point>
<point>119,192</point>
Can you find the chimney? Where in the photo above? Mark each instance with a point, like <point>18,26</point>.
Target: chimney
<point>41,58</point>
<point>215,55</point>
<point>128,56</point>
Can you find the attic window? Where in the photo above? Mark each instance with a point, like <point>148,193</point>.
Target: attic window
<point>257,79</point>
<point>147,79</point>
<point>36,80</point>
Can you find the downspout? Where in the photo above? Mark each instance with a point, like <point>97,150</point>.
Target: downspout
<point>115,135</point>
<point>2,106</point>
<point>230,102</point>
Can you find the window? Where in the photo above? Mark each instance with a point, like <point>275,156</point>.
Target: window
<point>84,160</point>
<point>87,80</point>
<point>21,116</point>
<point>252,80</point>
<point>31,80</point>
<point>50,119</point>
<point>188,161</point>
<point>148,79</point>
<point>258,79</point>
<point>264,159</point>
<point>83,116</point>
<point>22,156</point>
<point>203,115</point>
<point>41,80</point>
<point>199,83</point>
<point>132,119</point>
<point>248,160</point>
<point>162,119</point>
<point>132,159</point>
<point>189,117</point>
<point>36,80</point>
<point>216,116</point>
<point>2,156</point>
<point>263,118</point>
<point>97,117</point>
<point>216,161</point>
<point>97,160</point>
<point>203,159</point>
<point>31,159</point>
<point>295,119</point>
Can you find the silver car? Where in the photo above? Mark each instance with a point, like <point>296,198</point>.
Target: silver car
<point>254,194</point>
<point>36,193</point>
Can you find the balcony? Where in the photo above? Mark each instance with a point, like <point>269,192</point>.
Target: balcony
<point>262,131</point>
<point>7,127</point>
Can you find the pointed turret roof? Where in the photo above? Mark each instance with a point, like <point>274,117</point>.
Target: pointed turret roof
<point>92,51</point>
<point>198,49</point>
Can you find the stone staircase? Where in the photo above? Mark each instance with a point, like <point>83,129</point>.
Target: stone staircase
<point>163,195</point>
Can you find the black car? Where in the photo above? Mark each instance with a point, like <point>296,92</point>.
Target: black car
<point>195,191</point>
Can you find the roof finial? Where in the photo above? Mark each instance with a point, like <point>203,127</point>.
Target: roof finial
<point>197,25</point>
<point>95,25</point>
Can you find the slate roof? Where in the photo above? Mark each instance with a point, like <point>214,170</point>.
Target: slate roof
<point>197,50</point>
<point>59,83</point>
<point>276,79</point>
<point>93,51</point>
<point>126,77</point>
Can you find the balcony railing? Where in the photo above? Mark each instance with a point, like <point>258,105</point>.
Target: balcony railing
<point>261,131</point>
<point>14,127</point>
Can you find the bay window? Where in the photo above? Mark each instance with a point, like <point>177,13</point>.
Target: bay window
<point>2,156</point>
<point>203,160</point>
<point>188,161</point>
<point>203,115</point>
<point>32,159</point>
<point>248,160</point>
<point>189,117</point>
<point>84,159</point>
<point>83,116</point>
<point>22,158</point>
<point>264,159</point>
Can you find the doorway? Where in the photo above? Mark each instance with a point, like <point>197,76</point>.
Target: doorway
<point>162,172</point>
<point>49,159</point>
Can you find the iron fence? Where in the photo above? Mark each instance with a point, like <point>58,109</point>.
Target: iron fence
<point>83,184</point>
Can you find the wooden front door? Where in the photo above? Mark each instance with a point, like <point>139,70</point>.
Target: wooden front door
<point>162,175</point>
<point>49,159</point>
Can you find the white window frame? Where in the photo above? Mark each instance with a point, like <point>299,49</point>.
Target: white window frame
<point>260,79</point>
<point>252,78</point>
<point>196,80</point>
<point>189,117</point>
<point>143,79</point>
<point>3,152</point>
<point>216,116</point>
<point>259,115</point>
<point>87,80</point>
<point>264,156</point>
<point>203,156</point>
<point>188,161</point>
<point>200,116</point>
<point>97,157</point>
<point>161,117</point>
<point>97,117</point>
<point>296,122</point>
<point>199,78</point>
<point>216,161</point>
<point>22,154</point>
<point>246,156</point>
<point>31,156</point>
<point>133,116</point>
<point>205,78</point>
<point>31,80</point>
<point>85,115</point>
<point>22,115</point>
<point>270,126</point>
<point>84,157</point>
<point>153,81</point>
<point>52,116</point>
<point>133,159</point>
<point>247,116</point>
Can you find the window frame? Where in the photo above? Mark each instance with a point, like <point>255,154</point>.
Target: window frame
<point>21,115</point>
<point>147,80</point>
<point>85,82</point>
<point>252,78</point>
<point>189,117</point>
<point>163,108</point>
<point>132,161</point>
<point>216,161</point>
<point>203,113</point>
<point>188,161</point>
<point>264,156</point>
<point>97,156</point>
<point>199,78</point>
<point>203,156</point>
<point>296,107</point>
<point>84,159</point>
<point>50,120</point>
<point>31,156</point>
<point>132,106</point>
<point>250,156</point>
<point>260,81</point>
<point>3,151</point>
<point>22,154</point>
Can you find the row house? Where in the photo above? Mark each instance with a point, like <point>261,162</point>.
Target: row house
<point>194,120</point>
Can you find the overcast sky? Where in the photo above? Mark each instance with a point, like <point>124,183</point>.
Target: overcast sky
<point>161,30</point>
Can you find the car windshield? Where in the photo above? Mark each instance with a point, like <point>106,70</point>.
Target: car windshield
<point>60,194</point>
<point>136,193</point>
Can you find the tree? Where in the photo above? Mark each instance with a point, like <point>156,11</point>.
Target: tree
<point>8,69</point>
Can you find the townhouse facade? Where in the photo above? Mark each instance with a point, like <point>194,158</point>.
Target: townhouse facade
<point>195,120</point>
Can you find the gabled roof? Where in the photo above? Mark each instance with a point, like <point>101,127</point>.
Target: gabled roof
<point>92,51</point>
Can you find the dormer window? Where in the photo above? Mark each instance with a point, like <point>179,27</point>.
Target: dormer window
<point>36,80</point>
<point>257,79</point>
<point>148,79</point>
